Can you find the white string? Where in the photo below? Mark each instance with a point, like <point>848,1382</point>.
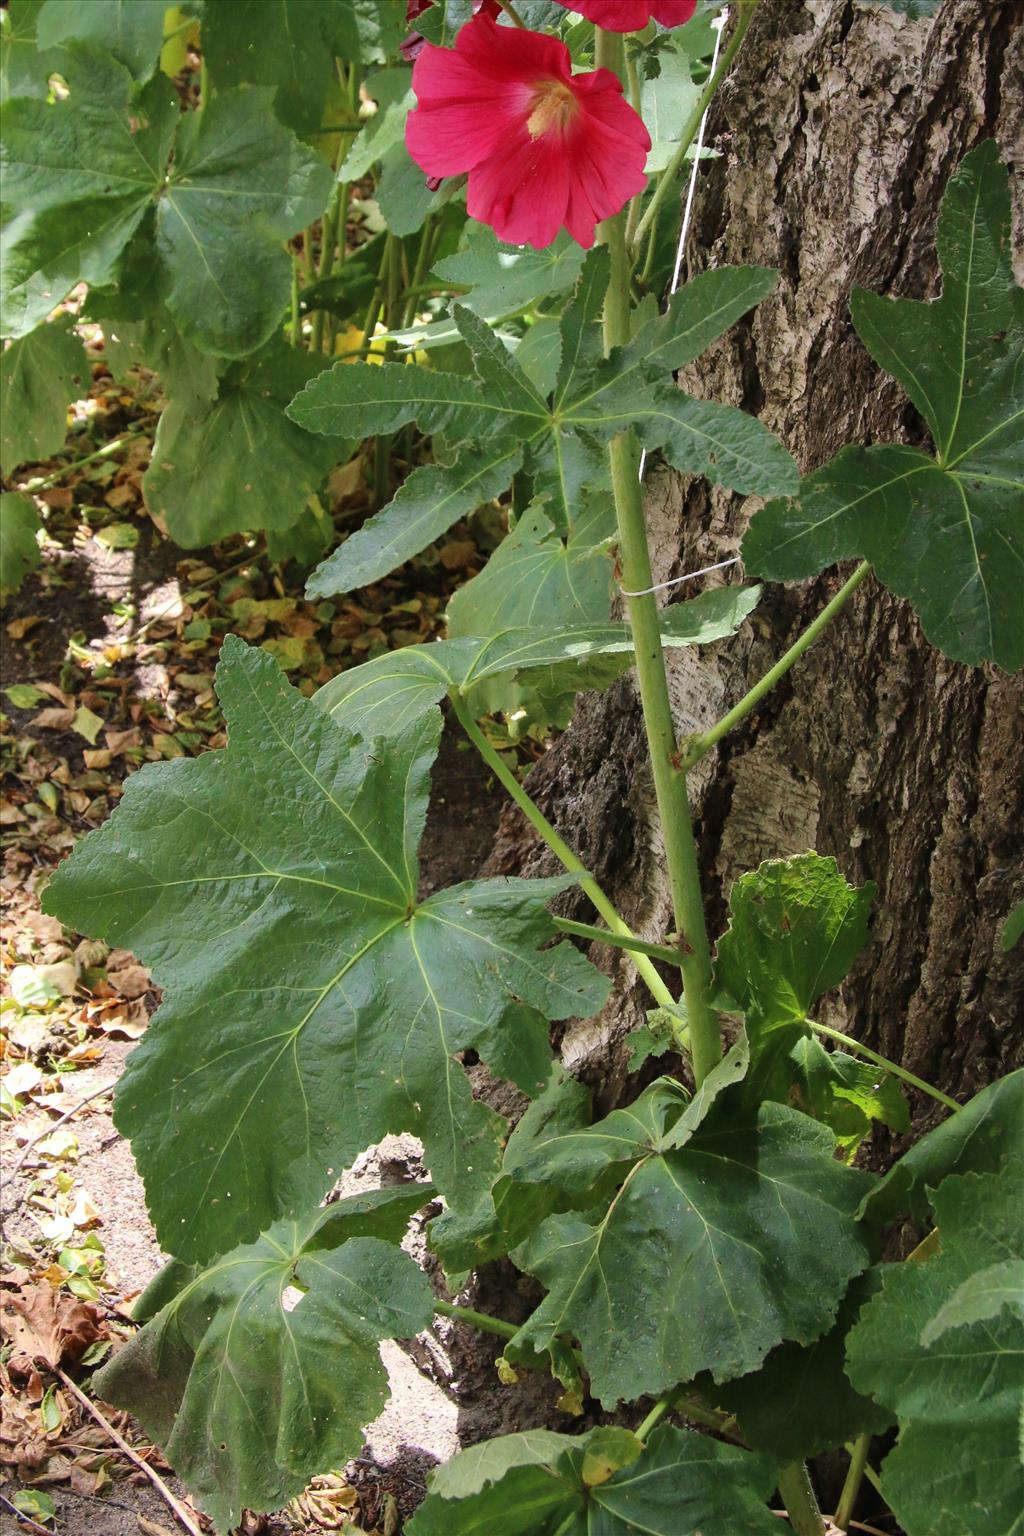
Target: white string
<point>719,26</point>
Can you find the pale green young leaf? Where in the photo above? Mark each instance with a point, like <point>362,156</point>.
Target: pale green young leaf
<point>131,30</point>
<point>973,1141</point>
<point>537,578</point>
<point>666,102</point>
<point>19,547</point>
<point>40,375</point>
<point>382,695</point>
<point>534,579</point>
<point>801,1402</point>
<point>505,278</point>
<point>250,1397</point>
<point>846,1092</point>
<point>954,1385</point>
<point>281,919</point>
<point>944,532</point>
<point>428,503</point>
<point>795,928</point>
<point>237,462</point>
<point>541,1484</point>
<point>717,1229</point>
<point>983,1295</point>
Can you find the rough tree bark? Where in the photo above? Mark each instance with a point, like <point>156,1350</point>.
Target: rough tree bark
<point>838,134</point>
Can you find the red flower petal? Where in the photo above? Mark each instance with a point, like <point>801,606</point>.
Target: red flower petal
<point>544,148</point>
<point>632,15</point>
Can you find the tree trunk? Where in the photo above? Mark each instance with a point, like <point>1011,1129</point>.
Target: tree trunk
<point>838,135</point>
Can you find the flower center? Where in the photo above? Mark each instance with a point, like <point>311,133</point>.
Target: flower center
<point>552,109</point>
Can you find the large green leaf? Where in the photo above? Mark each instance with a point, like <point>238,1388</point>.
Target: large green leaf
<point>973,1141</point>
<point>312,1004</point>
<point>801,1401</point>
<point>131,30</point>
<point>382,695</point>
<point>19,547</point>
<point>250,1396</point>
<point>429,502</point>
<point>237,462</point>
<point>39,377</point>
<point>223,187</point>
<point>944,532</point>
<point>954,1385</point>
<point>715,1229</point>
<point>278,43</point>
<point>604,1483</point>
<point>188,376</point>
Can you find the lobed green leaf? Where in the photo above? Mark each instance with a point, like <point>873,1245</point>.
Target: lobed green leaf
<point>272,889</point>
<point>251,1390</point>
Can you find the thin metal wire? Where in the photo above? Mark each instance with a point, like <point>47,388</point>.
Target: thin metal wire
<point>719,26</point>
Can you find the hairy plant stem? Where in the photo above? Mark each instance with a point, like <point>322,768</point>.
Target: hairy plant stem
<point>698,746</point>
<point>854,1478</point>
<point>620,941</point>
<point>798,1496</point>
<point>512,13</point>
<point>559,847</point>
<point>745,14</point>
<point>479,1320</point>
<point>883,1061</point>
<point>635,564</point>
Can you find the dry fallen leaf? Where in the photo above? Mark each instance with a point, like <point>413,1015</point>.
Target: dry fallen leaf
<point>43,1324</point>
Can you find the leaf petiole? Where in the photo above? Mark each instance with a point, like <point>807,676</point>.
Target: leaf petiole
<point>559,847</point>
<point>620,941</point>
<point>698,746</point>
<point>883,1061</point>
<point>474,1319</point>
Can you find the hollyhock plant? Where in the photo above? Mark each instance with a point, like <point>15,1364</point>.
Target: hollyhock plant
<point>544,148</point>
<point>412,46</point>
<point>632,15</point>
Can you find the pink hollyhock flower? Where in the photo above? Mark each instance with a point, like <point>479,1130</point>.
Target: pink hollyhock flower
<point>632,15</point>
<point>543,147</point>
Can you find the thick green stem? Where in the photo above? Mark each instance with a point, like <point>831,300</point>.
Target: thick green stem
<point>559,847</point>
<point>745,14</point>
<point>854,1478</point>
<point>635,565</point>
<point>805,1517</point>
<point>698,746</point>
<point>620,941</point>
<point>476,1319</point>
<point>883,1061</point>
